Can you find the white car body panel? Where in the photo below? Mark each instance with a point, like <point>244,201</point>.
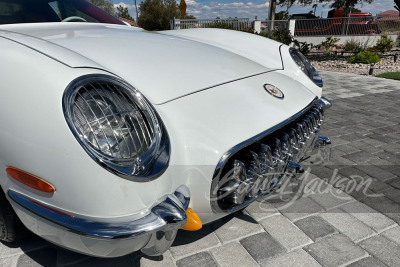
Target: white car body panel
<point>148,61</point>
<point>250,46</point>
<point>206,86</point>
<point>203,133</point>
<point>197,135</point>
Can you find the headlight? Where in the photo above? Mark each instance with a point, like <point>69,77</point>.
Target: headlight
<point>117,126</point>
<point>306,66</point>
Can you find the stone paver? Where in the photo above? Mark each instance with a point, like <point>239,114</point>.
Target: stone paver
<point>367,262</point>
<point>262,247</point>
<point>233,227</point>
<point>394,182</point>
<point>384,205</point>
<point>302,208</point>
<point>315,227</point>
<point>336,250</point>
<point>356,225</point>
<point>125,261</point>
<point>383,249</point>
<point>285,232</point>
<point>393,234</point>
<point>293,259</point>
<point>233,254</point>
<point>376,172</point>
<point>202,259</point>
<point>393,194</point>
<point>165,260</point>
<point>360,157</point>
<point>331,198</point>
<point>348,225</point>
<point>368,216</point>
<point>192,242</point>
<point>261,209</point>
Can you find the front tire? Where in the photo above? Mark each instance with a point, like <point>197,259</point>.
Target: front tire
<point>11,227</point>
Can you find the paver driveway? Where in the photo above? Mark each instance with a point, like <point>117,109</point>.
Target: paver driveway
<point>357,225</point>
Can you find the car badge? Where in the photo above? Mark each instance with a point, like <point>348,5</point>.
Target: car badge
<point>274,91</point>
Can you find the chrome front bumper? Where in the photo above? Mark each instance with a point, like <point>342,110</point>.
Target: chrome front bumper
<point>153,234</point>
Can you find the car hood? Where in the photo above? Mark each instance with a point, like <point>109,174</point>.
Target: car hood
<point>162,66</point>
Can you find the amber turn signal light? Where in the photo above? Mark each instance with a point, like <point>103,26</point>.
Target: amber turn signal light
<point>193,221</point>
<point>30,180</point>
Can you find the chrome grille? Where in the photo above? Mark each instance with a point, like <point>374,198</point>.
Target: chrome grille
<point>111,120</point>
<point>257,165</point>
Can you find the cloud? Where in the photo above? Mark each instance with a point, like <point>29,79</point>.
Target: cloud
<point>206,9</point>
<point>130,7</point>
<point>249,9</point>
<point>375,7</point>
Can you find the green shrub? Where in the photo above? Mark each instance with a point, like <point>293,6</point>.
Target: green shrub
<point>329,43</point>
<point>303,47</point>
<point>280,35</point>
<point>249,30</point>
<point>384,44</point>
<point>366,57</point>
<point>221,25</point>
<point>355,46</point>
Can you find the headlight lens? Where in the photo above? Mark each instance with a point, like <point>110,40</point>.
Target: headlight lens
<point>117,126</point>
<point>306,66</point>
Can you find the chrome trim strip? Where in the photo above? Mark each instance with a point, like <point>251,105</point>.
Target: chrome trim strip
<point>169,214</point>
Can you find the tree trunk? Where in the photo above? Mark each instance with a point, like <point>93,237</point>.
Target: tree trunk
<point>271,13</point>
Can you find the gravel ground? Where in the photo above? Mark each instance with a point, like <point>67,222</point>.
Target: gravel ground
<point>340,64</point>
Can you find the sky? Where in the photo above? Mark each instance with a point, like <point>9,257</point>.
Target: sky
<point>207,9</point>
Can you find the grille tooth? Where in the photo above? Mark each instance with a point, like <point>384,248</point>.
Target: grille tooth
<point>286,146</point>
<point>277,152</point>
<point>316,119</point>
<point>265,157</point>
<point>309,125</point>
<point>294,141</point>
<point>239,170</point>
<point>300,133</point>
<point>255,163</point>
<point>306,130</point>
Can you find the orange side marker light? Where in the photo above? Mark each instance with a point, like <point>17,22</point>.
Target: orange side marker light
<point>30,180</point>
<point>193,221</point>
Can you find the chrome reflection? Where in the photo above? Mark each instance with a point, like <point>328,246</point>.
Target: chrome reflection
<point>260,166</point>
<point>157,229</point>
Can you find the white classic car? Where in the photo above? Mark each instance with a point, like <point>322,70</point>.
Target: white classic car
<point>113,138</point>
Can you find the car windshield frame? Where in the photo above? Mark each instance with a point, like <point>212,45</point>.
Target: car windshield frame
<point>42,11</point>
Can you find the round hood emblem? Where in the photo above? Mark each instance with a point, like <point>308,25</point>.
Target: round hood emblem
<point>274,91</point>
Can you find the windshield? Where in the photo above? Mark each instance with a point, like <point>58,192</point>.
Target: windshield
<point>34,11</point>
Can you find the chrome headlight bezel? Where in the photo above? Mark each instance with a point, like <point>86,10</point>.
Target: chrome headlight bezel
<point>305,65</point>
<point>147,165</point>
